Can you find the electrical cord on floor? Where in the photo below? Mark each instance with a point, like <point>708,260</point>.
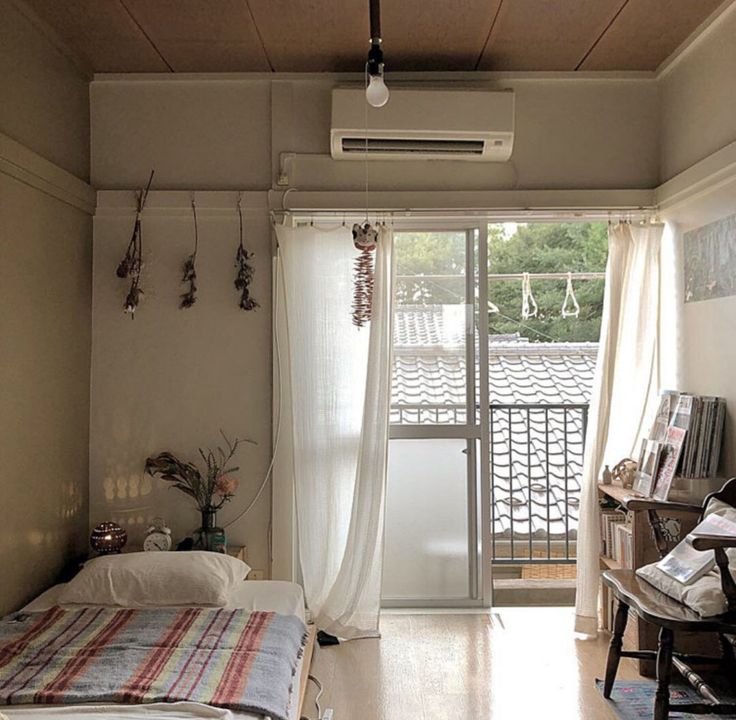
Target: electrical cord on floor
<point>328,712</point>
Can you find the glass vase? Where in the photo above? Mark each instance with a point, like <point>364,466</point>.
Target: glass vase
<point>210,536</point>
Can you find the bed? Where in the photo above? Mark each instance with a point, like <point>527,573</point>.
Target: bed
<point>284,598</point>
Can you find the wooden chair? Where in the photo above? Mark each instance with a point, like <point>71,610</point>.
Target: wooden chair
<point>671,616</point>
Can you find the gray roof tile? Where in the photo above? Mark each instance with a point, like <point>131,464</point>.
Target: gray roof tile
<point>528,445</point>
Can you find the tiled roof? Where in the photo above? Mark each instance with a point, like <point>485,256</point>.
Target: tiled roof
<point>528,445</point>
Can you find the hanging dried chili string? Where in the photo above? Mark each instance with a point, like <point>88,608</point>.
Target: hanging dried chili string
<point>364,239</point>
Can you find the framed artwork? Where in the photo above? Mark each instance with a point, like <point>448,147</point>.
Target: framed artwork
<point>646,475</point>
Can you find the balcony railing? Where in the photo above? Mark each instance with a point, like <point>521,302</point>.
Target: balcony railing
<point>536,461</point>
<point>536,465</point>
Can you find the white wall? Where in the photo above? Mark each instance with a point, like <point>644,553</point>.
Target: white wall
<point>170,379</point>
<point>698,99</point>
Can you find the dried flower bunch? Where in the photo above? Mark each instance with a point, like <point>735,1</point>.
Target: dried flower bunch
<point>245,272</point>
<point>365,239</point>
<point>190,271</point>
<point>210,489</point>
<point>131,265</point>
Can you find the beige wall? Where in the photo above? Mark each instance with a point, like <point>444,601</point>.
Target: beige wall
<point>45,278</point>
<point>44,99</point>
<point>698,99</point>
<point>45,295</point>
<point>220,134</point>
<point>172,378</point>
<point>698,118</point>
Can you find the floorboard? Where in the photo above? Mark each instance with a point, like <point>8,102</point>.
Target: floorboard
<point>515,663</point>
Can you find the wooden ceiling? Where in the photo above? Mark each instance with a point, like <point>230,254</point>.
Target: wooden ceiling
<point>332,35</point>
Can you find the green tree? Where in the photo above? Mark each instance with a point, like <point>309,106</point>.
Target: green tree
<point>431,270</point>
<point>542,248</point>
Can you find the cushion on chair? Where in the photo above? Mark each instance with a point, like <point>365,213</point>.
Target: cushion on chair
<point>705,595</point>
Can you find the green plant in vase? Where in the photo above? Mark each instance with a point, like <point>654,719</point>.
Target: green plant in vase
<point>210,489</point>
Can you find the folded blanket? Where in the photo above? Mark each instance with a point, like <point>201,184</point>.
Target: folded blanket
<point>236,659</point>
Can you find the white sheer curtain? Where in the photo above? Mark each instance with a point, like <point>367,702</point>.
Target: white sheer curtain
<point>335,417</point>
<point>626,384</point>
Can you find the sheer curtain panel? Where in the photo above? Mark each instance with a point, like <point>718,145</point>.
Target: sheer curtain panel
<point>625,386</point>
<point>335,421</point>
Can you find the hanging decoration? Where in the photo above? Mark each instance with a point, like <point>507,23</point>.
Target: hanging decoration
<point>529,307</point>
<point>570,299</point>
<point>189,274</point>
<point>131,265</point>
<point>245,272</point>
<point>365,239</point>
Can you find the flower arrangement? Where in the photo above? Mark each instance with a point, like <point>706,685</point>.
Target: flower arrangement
<point>210,489</point>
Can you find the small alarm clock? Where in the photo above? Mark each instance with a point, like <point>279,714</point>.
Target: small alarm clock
<point>158,537</point>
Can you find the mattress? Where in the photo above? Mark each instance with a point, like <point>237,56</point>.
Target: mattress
<point>267,595</point>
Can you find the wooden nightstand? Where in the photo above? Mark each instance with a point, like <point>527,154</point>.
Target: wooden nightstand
<point>238,551</point>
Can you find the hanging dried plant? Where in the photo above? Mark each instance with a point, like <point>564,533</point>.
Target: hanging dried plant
<point>364,239</point>
<point>131,265</point>
<point>245,273</point>
<point>190,271</point>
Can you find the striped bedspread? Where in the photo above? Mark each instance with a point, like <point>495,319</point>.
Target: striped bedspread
<point>237,659</point>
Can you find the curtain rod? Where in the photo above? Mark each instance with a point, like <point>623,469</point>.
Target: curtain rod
<point>514,276</point>
<point>437,215</point>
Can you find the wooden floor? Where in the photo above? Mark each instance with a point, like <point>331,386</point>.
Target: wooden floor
<point>516,664</point>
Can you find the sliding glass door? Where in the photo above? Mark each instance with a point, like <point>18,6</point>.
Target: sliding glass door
<point>434,507</point>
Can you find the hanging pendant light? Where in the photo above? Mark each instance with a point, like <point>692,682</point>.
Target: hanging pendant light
<point>376,93</point>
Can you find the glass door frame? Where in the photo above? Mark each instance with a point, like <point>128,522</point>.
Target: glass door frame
<point>476,429</point>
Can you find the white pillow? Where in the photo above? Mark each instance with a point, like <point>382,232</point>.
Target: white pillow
<point>705,595</point>
<point>156,579</point>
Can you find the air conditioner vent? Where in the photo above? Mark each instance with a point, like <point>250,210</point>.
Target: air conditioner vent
<point>397,145</point>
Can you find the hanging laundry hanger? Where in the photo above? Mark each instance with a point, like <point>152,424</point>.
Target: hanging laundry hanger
<point>570,298</point>
<point>529,307</point>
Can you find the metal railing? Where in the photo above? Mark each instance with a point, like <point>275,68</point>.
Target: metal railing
<point>536,465</point>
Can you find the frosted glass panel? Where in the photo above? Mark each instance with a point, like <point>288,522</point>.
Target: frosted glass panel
<point>426,555</point>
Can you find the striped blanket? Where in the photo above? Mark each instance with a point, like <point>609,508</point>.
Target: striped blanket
<point>237,659</point>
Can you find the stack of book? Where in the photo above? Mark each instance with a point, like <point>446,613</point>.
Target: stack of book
<point>702,447</point>
<point>612,545</point>
<point>688,433</point>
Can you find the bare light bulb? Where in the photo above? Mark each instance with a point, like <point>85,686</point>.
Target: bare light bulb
<point>377,92</point>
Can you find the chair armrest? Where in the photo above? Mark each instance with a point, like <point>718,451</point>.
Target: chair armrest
<point>631,502</point>
<point>703,541</point>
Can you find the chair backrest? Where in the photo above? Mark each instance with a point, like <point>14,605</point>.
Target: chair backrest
<point>727,494</point>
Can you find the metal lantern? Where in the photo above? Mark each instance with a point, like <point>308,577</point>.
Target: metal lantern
<point>108,538</point>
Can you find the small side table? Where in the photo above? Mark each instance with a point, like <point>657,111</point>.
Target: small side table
<point>238,551</point>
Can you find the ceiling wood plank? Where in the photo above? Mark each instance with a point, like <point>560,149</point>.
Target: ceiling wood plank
<point>544,35</point>
<point>646,33</point>
<point>333,35</point>
<point>202,36</point>
<point>102,33</point>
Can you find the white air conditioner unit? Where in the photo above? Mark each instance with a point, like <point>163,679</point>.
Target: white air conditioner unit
<point>423,125</point>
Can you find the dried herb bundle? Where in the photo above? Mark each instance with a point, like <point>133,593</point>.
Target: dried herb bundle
<point>131,265</point>
<point>190,271</point>
<point>364,239</point>
<point>245,272</point>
